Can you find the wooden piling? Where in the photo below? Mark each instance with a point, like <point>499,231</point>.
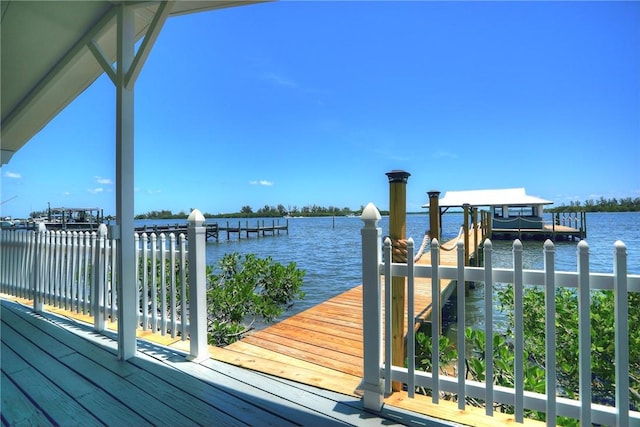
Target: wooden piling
<point>434,215</point>
<point>397,232</point>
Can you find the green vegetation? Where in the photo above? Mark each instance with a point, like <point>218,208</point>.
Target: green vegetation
<point>626,204</point>
<point>244,289</point>
<point>602,348</point>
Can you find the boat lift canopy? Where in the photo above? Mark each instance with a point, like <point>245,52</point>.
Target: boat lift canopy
<point>499,197</point>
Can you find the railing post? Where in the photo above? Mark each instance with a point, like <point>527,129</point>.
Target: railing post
<point>197,239</point>
<point>371,305</point>
<point>98,303</point>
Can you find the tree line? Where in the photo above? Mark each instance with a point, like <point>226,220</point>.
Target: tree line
<point>266,211</point>
<point>626,204</point>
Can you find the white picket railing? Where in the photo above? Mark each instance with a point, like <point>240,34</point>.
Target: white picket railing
<point>378,374</point>
<point>76,271</point>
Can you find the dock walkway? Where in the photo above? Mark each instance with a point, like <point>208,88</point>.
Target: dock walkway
<point>325,337</point>
<point>322,346</point>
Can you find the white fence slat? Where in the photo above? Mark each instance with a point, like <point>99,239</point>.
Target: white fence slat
<point>584,333</point>
<point>488,325</point>
<point>136,254</point>
<point>435,320</point>
<point>411,321</point>
<point>172,270</point>
<point>183,288</point>
<point>388,327</point>
<point>145,281</point>
<point>113,285</point>
<point>72,278</point>
<point>621,326</point>
<point>461,345</point>
<point>550,330</point>
<point>154,283</point>
<point>163,283</point>
<point>518,291</point>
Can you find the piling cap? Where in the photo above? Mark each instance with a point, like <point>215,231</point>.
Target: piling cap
<point>398,176</point>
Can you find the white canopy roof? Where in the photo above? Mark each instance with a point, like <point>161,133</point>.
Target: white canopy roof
<point>47,58</point>
<point>497,197</point>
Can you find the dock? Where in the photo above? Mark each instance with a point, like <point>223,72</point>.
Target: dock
<point>215,230</point>
<point>322,346</point>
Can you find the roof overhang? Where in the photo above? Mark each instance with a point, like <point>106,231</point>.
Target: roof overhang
<point>49,56</point>
<point>497,197</point>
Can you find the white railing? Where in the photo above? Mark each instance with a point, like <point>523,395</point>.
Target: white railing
<point>378,374</point>
<point>76,271</point>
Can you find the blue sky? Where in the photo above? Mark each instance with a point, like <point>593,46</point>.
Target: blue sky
<point>302,103</point>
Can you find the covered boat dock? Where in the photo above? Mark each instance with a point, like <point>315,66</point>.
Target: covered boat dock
<point>512,213</point>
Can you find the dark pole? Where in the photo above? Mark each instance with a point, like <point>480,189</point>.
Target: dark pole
<point>434,215</point>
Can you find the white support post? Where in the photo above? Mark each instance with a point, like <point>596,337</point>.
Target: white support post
<point>371,305</point>
<point>197,239</point>
<point>127,288</point>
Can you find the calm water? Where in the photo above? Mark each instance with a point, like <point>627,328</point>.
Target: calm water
<point>329,250</point>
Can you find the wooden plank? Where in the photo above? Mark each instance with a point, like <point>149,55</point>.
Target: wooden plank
<point>60,408</point>
<point>274,363</point>
<point>326,328</point>
<point>329,358</point>
<point>333,341</point>
<point>17,409</point>
<point>311,317</point>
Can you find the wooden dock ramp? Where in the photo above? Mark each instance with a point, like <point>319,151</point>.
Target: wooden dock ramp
<point>322,346</point>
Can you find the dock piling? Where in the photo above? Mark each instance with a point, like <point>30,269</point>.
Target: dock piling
<point>397,232</point>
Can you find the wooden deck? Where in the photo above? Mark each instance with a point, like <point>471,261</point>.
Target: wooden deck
<point>56,371</point>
